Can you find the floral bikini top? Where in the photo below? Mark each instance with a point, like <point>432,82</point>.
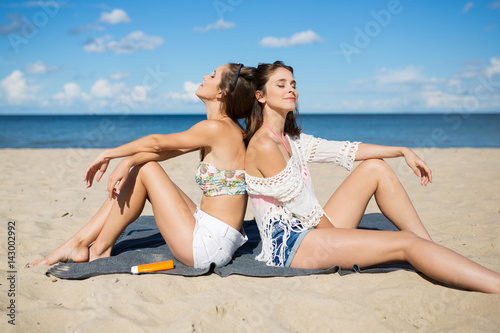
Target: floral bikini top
<point>214,182</point>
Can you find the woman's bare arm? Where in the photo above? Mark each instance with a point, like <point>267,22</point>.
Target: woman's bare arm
<point>419,167</point>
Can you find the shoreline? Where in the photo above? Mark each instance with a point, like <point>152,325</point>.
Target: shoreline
<point>43,191</point>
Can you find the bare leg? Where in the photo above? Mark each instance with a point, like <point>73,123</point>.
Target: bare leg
<point>172,209</point>
<point>324,248</point>
<point>77,247</point>
<point>373,177</point>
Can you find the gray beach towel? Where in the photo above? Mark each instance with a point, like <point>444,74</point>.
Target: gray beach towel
<point>142,243</point>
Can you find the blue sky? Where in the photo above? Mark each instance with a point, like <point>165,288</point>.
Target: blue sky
<point>143,57</point>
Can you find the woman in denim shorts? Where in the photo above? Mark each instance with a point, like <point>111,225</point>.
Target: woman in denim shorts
<point>298,232</point>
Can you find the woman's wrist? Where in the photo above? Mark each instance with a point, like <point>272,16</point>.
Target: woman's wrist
<point>129,161</point>
<point>405,151</point>
<point>107,155</point>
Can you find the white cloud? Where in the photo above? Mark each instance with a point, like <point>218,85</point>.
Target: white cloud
<point>139,94</point>
<point>188,95</point>
<point>40,67</point>
<point>101,104</point>
<point>119,75</point>
<point>405,79</point>
<point>103,95</point>
<point>467,7</point>
<point>305,37</point>
<point>456,84</point>
<point>474,73</point>
<point>494,67</point>
<point>476,69</point>
<point>17,89</point>
<point>116,16</point>
<point>409,74</point>
<point>219,25</point>
<point>471,88</point>
<point>97,45</point>
<point>471,70</point>
<point>71,92</point>
<point>135,41</point>
<point>396,89</point>
<point>442,100</point>
<point>103,89</point>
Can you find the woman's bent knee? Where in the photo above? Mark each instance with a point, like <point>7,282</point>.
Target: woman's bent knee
<point>146,167</point>
<point>375,165</point>
<point>378,168</point>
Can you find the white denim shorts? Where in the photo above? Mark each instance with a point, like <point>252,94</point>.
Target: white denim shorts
<point>214,241</point>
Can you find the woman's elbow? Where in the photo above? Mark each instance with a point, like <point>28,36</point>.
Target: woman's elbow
<point>155,143</point>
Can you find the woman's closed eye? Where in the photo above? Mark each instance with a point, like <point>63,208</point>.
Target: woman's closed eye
<point>283,86</point>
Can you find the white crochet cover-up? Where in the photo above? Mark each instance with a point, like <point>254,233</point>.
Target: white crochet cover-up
<point>288,198</point>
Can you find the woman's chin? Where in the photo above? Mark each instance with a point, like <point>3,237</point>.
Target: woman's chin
<point>200,96</point>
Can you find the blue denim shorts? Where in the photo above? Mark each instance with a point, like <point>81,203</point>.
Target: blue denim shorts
<point>291,246</point>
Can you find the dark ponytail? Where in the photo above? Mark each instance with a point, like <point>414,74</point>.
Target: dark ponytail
<point>239,91</point>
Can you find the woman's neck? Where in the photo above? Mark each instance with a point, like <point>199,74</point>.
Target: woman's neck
<point>275,120</point>
<point>214,110</point>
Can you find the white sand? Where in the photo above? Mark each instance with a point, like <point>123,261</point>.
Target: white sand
<point>43,191</point>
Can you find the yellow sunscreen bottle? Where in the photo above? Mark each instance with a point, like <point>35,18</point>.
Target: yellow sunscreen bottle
<point>156,266</point>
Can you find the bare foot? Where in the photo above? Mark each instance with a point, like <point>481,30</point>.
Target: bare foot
<point>69,250</point>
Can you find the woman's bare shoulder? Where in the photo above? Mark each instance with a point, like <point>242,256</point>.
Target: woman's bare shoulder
<point>262,145</point>
<point>264,155</point>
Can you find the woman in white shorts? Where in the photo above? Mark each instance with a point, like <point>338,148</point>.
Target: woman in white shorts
<point>196,235</point>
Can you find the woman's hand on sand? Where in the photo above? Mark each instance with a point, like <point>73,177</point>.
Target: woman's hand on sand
<point>98,166</point>
<point>117,178</point>
<point>418,166</point>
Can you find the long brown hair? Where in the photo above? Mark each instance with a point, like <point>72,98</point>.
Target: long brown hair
<point>238,99</point>
<point>255,118</point>
<point>238,86</point>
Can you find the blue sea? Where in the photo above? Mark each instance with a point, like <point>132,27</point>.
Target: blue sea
<point>103,131</point>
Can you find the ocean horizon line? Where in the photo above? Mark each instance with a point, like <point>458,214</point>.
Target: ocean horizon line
<point>301,114</point>
<point>451,129</point>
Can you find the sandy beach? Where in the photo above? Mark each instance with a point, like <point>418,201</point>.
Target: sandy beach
<point>42,190</point>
